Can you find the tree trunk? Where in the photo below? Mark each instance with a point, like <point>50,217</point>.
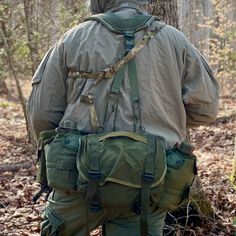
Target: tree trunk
<point>3,87</point>
<point>166,10</point>
<point>29,9</point>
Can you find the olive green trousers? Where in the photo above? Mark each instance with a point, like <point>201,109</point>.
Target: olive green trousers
<point>66,215</point>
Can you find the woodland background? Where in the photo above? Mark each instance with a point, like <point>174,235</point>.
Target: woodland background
<point>28,28</point>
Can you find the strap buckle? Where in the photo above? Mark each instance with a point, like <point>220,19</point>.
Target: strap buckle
<point>129,36</point>
<point>129,41</point>
<point>87,98</point>
<point>94,174</point>
<point>137,208</point>
<point>148,178</point>
<point>95,207</point>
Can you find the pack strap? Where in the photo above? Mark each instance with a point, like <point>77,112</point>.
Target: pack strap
<point>133,81</point>
<point>89,100</point>
<point>115,91</point>
<point>129,40</point>
<point>113,96</point>
<point>147,180</point>
<point>93,196</point>
<point>111,70</point>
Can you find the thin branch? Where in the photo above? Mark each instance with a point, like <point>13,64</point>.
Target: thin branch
<point>20,93</point>
<point>15,167</point>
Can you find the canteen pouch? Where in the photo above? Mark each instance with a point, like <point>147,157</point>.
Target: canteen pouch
<point>181,171</point>
<point>121,160</point>
<point>60,156</point>
<point>44,138</point>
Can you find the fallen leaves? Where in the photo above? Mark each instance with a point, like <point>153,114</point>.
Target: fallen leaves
<point>214,149</point>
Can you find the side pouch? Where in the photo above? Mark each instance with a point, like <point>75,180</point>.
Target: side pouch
<point>181,171</point>
<point>61,161</point>
<point>44,138</point>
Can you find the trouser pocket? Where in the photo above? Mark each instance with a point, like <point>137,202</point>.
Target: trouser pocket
<point>51,224</point>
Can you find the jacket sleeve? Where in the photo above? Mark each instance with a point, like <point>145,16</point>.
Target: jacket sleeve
<point>199,89</point>
<point>47,101</point>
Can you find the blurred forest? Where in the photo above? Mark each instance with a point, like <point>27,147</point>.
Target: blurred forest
<point>28,28</point>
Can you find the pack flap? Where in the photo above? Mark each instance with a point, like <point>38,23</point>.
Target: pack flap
<point>122,158</point>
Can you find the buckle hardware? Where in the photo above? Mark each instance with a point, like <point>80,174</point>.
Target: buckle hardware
<point>149,178</point>
<point>129,36</point>
<point>95,207</point>
<point>87,99</point>
<point>94,175</point>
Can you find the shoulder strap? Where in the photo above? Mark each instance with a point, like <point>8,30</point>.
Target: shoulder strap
<point>119,25</point>
<point>110,71</point>
<point>131,51</point>
<point>128,27</point>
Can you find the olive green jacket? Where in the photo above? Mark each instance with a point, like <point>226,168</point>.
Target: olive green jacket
<point>177,87</point>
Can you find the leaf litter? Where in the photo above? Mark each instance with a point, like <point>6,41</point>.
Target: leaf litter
<point>214,147</point>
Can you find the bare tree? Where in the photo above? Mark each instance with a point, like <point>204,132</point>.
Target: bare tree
<point>193,20</point>
<point>29,9</point>
<point>12,67</point>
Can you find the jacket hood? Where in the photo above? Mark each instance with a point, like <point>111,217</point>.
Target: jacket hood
<point>101,6</point>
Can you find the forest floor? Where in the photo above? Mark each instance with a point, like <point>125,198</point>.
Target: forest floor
<point>214,149</point>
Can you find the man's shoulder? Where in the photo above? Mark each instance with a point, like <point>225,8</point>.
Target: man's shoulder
<point>171,34</point>
<point>79,29</point>
<point>168,29</point>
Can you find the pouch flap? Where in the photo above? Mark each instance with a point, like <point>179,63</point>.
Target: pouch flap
<point>61,152</point>
<point>122,157</point>
<point>173,160</point>
<point>71,141</point>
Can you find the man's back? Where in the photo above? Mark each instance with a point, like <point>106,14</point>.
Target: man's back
<point>171,74</point>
